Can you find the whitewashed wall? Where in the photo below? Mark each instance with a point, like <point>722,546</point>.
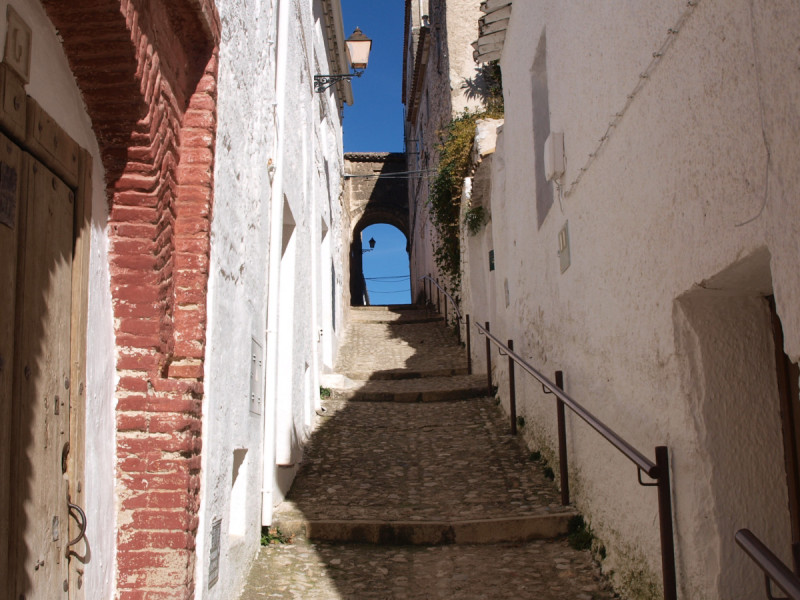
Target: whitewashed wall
<point>681,223</point>
<point>276,233</point>
<point>53,86</point>
<point>232,434</point>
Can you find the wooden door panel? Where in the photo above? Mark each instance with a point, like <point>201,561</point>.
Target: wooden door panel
<point>10,176</point>
<point>41,425</point>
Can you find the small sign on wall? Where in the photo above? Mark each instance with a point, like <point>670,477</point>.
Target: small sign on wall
<point>213,563</point>
<point>563,247</point>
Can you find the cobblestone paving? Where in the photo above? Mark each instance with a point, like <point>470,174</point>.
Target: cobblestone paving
<point>420,389</point>
<point>404,314</point>
<point>535,571</point>
<point>375,350</point>
<point>442,461</point>
<point>417,462</point>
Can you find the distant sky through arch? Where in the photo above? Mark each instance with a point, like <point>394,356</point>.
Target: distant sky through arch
<point>386,267</point>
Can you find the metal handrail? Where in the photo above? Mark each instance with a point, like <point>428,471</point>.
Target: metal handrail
<point>448,296</point>
<point>658,470</point>
<point>774,569</point>
<point>639,459</point>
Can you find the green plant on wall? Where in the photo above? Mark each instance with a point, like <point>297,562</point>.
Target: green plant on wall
<point>454,165</point>
<point>474,219</point>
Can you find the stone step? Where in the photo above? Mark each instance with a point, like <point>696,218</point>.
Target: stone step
<point>419,389</point>
<point>540,570</point>
<point>385,308</point>
<point>400,319</point>
<point>425,533</point>
<point>385,350</point>
<point>401,373</point>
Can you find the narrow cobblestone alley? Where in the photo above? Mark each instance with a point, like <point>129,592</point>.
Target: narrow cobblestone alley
<point>412,487</point>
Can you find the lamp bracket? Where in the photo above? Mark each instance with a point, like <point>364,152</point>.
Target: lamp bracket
<point>323,82</point>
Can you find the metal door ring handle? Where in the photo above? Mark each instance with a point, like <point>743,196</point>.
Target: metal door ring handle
<point>82,515</point>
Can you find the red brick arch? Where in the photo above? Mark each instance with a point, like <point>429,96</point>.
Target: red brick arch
<point>147,72</point>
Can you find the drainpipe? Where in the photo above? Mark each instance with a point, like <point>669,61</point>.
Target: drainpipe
<point>273,291</point>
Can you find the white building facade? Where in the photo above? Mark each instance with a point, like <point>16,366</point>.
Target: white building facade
<point>658,270</point>
<point>438,72</point>
<point>173,258</point>
<point>278,269</point>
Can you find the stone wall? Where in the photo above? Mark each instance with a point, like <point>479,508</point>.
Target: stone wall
<point>373,199</point>
<point>442,70</point>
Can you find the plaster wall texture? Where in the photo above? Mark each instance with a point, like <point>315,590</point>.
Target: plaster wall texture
<point>680,224</point>
<point>278,205</point>
<point>232,434</point>
<point>53,86</point>
<point>442,94</point>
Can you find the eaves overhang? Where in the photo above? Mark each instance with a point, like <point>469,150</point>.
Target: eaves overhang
<point>420,69</point>
<point>492,28</point>
<point>333,31</point>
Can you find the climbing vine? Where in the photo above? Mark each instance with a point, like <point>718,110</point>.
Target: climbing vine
<point>454,165</point>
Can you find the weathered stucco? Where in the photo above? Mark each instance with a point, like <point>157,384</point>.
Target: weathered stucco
<point>440,76</point>
<point>677,182</point>
<point>278,270</point>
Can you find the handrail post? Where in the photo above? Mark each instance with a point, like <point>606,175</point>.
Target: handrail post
<point>562,442</point>
<point>445,312</point>
<point>488,361</point>
<point>512,391</point>
<point>428,293</point>
<point>438,299</point>
<point>665,524</point>
<point>469,349</point>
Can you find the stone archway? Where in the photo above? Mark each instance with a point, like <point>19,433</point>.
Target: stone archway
<point>377,192</point>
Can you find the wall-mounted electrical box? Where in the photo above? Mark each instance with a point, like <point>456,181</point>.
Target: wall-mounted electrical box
<point>554,156</point>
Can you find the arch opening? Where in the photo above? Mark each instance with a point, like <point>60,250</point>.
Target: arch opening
<point>381,270</point>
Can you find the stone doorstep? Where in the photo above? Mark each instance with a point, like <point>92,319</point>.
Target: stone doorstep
<point>398,374</point>
<point>387,308</point>
<point>429,533</point>
<point>419,390</point>
<point>409,318</point>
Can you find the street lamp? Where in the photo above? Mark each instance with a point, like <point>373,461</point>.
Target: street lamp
<point>358,48</point>
<point>371,246</point>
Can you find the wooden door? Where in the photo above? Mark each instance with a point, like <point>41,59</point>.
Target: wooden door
<point>10,175</point>
<point>40,406</point>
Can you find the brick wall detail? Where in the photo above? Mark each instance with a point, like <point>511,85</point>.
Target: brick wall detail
<point>147,70</point>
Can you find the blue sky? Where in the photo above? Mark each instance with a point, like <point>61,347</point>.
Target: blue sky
<point>375,124</point>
